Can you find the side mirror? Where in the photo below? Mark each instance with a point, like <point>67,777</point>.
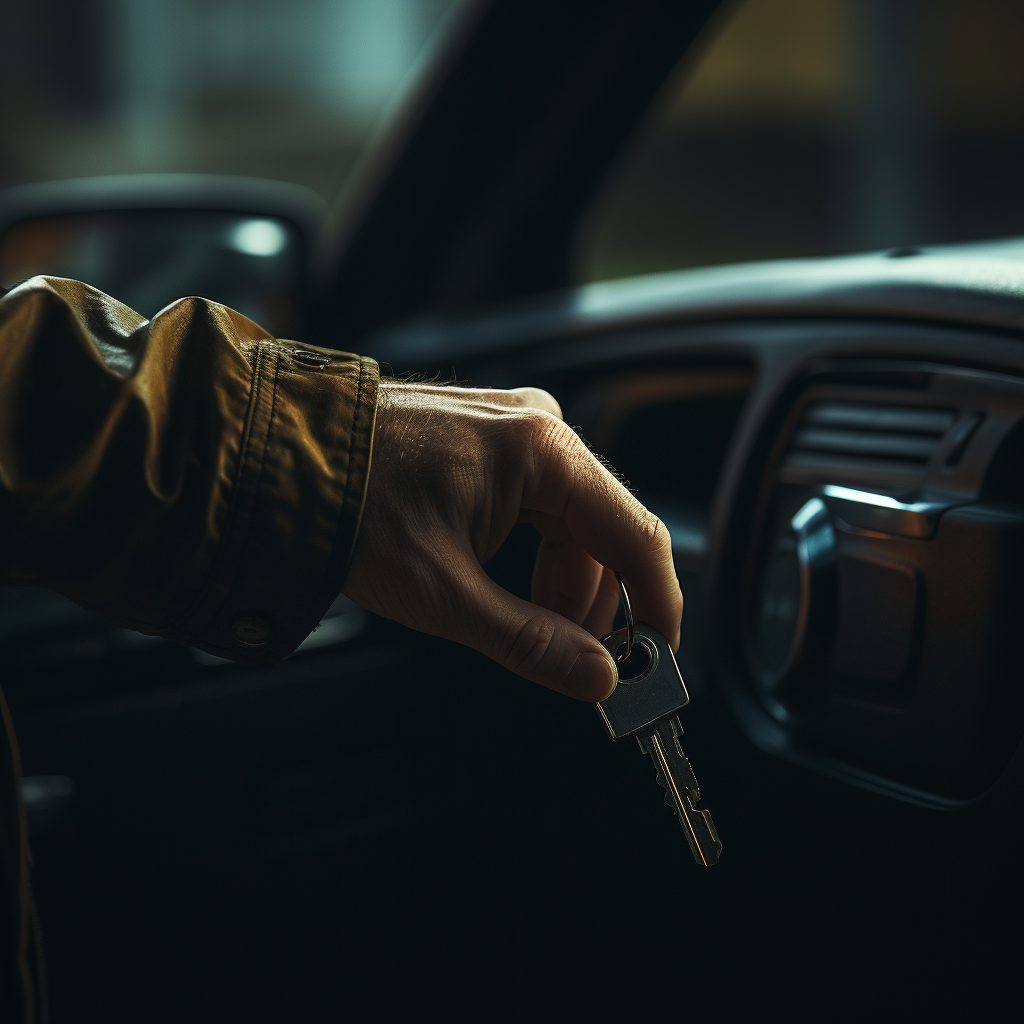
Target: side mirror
<point>148,239</point>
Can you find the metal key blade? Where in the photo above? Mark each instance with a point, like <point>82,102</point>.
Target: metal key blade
<point>644,705</point>
<point>676,774</point>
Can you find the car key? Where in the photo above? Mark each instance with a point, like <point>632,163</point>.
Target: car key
<point>644,705</point>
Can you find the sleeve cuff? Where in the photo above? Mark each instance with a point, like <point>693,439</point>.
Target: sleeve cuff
<point>297,503</point>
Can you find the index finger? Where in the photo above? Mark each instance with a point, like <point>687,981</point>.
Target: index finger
<point>568,481</point>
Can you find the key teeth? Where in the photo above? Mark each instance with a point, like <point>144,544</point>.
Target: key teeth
<point>693,798</point>
<point>668,793</point>
<point>697,825</point>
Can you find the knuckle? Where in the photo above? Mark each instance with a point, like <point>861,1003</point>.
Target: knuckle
<point>654,534</point>
<point>548,433</point>
<point>540,434</point>
<point>542,422</point>
<point>538,399</point>
<point>527,649</point>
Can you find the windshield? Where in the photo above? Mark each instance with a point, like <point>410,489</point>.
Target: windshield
<point>813,127</point>
<point>268,88</point>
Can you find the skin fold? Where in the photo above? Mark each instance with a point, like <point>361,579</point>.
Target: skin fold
<point>453,470</point>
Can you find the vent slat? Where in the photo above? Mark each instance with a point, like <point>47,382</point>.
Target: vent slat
<point>857,442</point>
<point>881,418</point>
<point>850,464</point>
<point>859,438</point>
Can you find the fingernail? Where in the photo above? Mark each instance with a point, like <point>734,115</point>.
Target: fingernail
<point>592,677</point>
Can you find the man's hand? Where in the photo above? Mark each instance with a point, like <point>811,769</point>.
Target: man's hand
<point>453,471</point>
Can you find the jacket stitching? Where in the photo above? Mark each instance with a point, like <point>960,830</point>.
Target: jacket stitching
<point>337,564</point>
<point>356,412</point>
<point>246,530</point>
<point>217,570</point>
<point>359,428</point>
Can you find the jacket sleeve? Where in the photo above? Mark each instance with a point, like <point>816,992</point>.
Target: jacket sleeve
<point>190,477</point>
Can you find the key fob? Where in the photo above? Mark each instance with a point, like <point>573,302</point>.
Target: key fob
<point>650,683</point>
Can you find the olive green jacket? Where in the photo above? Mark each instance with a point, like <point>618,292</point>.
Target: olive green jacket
<point>189,477</point>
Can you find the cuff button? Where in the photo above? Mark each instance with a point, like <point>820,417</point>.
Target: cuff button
<point>250,630</point>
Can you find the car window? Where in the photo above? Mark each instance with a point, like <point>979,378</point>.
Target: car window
<point>268,88</point>
<point>811,127</point>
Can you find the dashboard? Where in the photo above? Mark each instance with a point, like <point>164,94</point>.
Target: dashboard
<point>836,447</point>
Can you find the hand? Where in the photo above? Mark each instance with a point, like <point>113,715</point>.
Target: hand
<point>453,470</point>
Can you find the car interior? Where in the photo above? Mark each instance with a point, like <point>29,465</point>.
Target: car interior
<point>768,255</point>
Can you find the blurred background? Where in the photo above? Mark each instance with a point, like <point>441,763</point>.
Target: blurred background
<point>285,89</point>
<point>811,127</point>
<point>181,90</point>
<point>801,127</point>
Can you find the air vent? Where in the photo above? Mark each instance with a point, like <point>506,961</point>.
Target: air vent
<point>861,438</point>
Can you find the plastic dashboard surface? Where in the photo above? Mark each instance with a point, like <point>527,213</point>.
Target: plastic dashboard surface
<point>879,644</point>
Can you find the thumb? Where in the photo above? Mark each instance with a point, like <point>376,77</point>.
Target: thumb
<point>534,642</point>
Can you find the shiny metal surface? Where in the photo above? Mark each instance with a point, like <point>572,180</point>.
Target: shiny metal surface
<point>644,705</point>
<point>676,775</point>
<point>628,612</point>
<point>879,512</point>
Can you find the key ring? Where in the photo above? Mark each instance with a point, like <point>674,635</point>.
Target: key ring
<point>628,612</point>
